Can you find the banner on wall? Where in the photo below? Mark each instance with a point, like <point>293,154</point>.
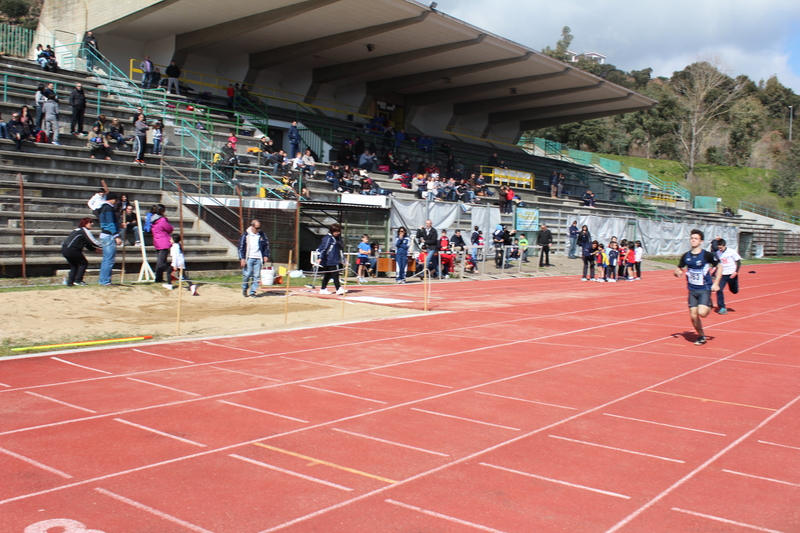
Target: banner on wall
<point>526,219</point>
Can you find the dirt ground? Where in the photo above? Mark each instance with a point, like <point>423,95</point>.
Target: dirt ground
<point>34,317</point>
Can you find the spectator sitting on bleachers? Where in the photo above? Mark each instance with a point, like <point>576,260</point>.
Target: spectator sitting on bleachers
<point>117,132</point>
<point>42,57</point>
<point>449,193</point>
<point>481,188</point>
<point>3,128</point>
<point>278,162</point>
<point>28,123</point>
<point>465,192</point>
<point>16,132</point>
<point>310,163</point>
<point>366,161</point>
<point>100,123</point>
<point>267,145</point>
<point>228,153</point>
<point>98,144</point>
<point>333,176</point>
<point>588,199</point>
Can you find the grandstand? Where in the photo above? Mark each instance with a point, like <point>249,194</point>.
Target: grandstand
<point>426,73</point>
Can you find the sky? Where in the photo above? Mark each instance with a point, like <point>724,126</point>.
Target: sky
<point>759,39</point>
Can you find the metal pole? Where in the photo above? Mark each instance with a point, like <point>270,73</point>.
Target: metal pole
<point>288,278</point>
<point>180,213</point>
<point>22,226</point>
<point>241,216</point>
<point>791,116</point>
<point>180,286</point>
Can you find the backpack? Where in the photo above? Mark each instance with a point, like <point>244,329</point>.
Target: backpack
<point>41,137</point>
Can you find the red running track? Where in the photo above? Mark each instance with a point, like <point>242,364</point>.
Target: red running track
<point>544,405</point>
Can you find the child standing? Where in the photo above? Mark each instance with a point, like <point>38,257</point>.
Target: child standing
<point>602,263</point>
<point>623,254</point>
<point>613,259</point>
<point>178,263</point>
<point>158,137</point>
<point>630,260</point>
<point>639,254</point>
<point>363,258</point>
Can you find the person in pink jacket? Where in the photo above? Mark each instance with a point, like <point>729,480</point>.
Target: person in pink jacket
<point>161,229</point>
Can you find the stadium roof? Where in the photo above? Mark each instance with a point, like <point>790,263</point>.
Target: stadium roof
<point>390,46</point>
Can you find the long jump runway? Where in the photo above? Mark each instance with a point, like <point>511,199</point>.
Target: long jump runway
<point>528,405</point>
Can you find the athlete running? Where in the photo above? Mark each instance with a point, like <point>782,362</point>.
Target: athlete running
<point>697,263</point>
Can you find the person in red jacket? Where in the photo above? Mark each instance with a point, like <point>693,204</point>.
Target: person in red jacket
<point>161,230</point>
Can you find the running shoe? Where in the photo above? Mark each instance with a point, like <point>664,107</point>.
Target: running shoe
<point>340,291</point>
<point>167,286</point>
<point>723,311</point>
<point>700,341</point>
<point>325,291</point>
<point>584,279</point>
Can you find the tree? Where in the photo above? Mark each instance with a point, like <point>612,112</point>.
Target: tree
<point>704,95</point>
<point>747,117</point>
<point>14,9</point>
<point>787,182</point>
<point>562,46</point>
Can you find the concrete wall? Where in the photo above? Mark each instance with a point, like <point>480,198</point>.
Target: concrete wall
<point>761,219</point>
<point>78,16</point>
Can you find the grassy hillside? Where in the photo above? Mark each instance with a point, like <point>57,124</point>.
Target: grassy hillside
<point>732,184</point>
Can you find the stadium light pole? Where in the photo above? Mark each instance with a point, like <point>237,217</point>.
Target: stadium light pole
<point>791,115</point>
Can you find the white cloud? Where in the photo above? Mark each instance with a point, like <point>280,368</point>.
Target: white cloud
<point>751,36</point>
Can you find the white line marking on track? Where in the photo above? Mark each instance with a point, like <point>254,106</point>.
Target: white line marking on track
<point>524,400</point>
<point>301,476</point>
<point>443,516</point>
<point>666,425</point>
<point>462,418</point>
<point>314,363</point>
<point>725,520</point>
<point>781,445</point>
<point>164,356</point>
<point>560,482</point>
<point>4,385</point>
<point>702,467</point>
<point>762,478</point>
<point>391,442</point>
<point>344,394</point>
<point>81,366</point>
<point>163,386</point>
<point>150,510</point>
<point>245,373</point>
<point>262,411</point>
<point>617,449</point>
<point>36,463</point>
<point>59,401</point>
<point>412,380</point>
<point>162,433</point>
<point>232,347</point>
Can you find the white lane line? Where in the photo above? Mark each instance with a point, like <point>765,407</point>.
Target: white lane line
<point>343,394</point>
<point>59,401</point>
<point>467,419</point>
<point>762,478</point>
<point>164,356</point>
<point>391,442</point>
<point>666,425</point>
<point>781,445</point>
<point>4,385</point>
<point>443,516</point>
<point>163,386</point>
<point>527,401</point>
<point>35,463</point>
<point>412,380</point>
<point>314,363</point>
<point>295,474</point>
<point>617,449</point>
<point>80,366</point>
<point>244,373</point>
<point>663,494</point>
<point>232,347</point>
<point>558,481</point>
<point>726,521</point>
<point>263,411</point>
<point>150,510</point>
<point>163,434</point>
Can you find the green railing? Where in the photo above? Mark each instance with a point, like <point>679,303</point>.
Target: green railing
<point>610,165</point>
<point>764,211</point>
<point>95,97</point>
<point>705,203</point>
<point>580,157</point>
<point>17,41</point>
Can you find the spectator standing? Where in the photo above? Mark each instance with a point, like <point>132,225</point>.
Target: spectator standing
<point>231,95</point>
<point>141,128</point>
<point>560,185</point>
<point>130,226</point>
<point>77,99</point>
<point>91,49</point>
<point>158,138</point>
<point>39,99</point>
<point>72,250</point>
<point>109,237</point>
<point>544,240</point>
<point>50,110</point>
<point>330,259</point>
<point>638,256</point>
<point>401,245</point>
<point>584,240</point>
<point>573,239</point>
<point>161,230</point>
<point>253,253</point>
<point>523,245</point>
<point>147,69</point>
<point>428,236</point>
<point>493,162</point>
<point>475,241</point>
<point>173,73</point>
<point>294,138</point>
<point>553,184</point>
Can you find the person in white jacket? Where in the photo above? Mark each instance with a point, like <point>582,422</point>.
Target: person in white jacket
<point>178,263</point>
